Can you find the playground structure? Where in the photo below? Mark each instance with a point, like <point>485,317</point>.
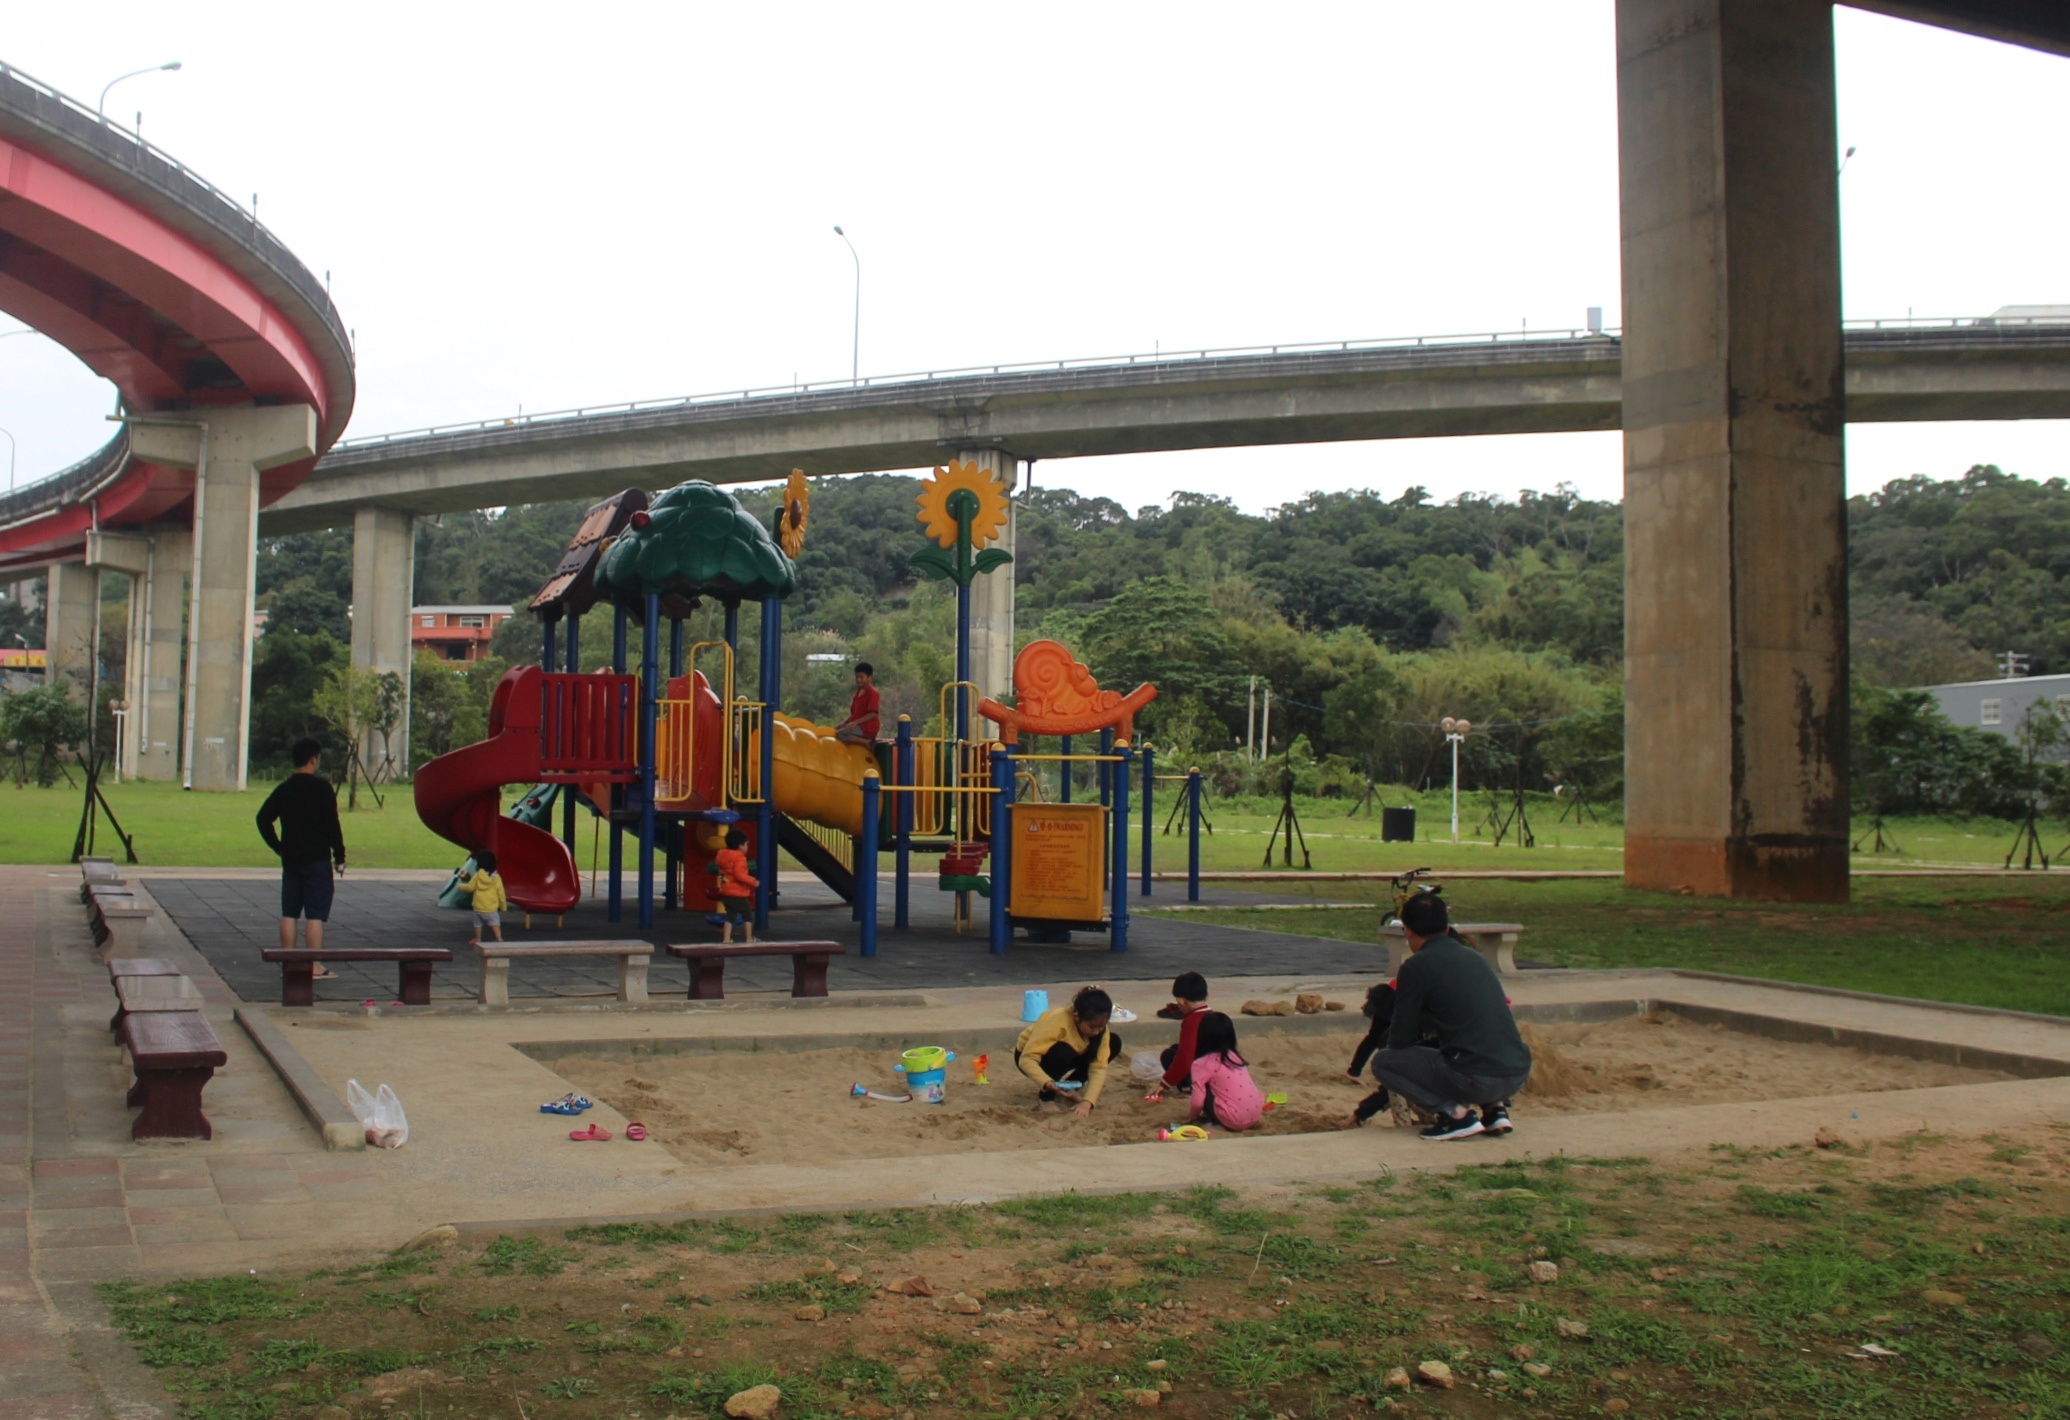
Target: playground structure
<point>668,755</point>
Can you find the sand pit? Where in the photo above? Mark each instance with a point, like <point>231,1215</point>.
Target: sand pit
<point>719,1108</point>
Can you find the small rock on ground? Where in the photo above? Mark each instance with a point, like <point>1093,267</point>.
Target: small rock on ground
<point>1398,1379</point>
<point>431,1239</point>
<point>755,1403</point>
<point>1435,1373</point>
<point>1545,1272</point>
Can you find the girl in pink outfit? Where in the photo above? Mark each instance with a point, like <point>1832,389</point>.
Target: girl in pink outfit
<point>1223,1091</point>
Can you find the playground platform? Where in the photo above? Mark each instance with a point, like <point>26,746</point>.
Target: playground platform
<point>231,916</point>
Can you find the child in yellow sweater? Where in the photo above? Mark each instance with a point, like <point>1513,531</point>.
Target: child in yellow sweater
<point>489,897</point>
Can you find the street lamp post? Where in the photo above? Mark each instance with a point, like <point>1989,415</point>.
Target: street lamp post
<point>1455,732</point>
<point>855,345</point>
<point>102,107</point>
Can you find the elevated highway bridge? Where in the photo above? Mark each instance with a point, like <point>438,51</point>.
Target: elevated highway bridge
<point>1732,382</point>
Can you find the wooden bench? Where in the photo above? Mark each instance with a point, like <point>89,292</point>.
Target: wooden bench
<point>708,964</point>
<point>633,958</point>
<point>413,970</point>
<point>1497,941</point>
<point>175,1054</point>
<point>117,917</point>
<point>122,967</point>
<point>152,993</point>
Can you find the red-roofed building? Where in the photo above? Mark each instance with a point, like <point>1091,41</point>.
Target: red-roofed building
<point>455,633</point>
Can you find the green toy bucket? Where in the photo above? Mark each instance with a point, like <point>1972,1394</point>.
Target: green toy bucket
<point>923,1057</point>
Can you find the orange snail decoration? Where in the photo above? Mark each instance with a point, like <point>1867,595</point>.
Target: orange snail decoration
<point>1057,695</point>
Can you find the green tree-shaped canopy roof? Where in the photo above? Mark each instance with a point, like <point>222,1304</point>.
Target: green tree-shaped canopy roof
<point>697,542</point>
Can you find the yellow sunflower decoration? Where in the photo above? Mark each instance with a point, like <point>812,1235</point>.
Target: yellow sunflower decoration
<point>938,519</point>
<point>797,512</point>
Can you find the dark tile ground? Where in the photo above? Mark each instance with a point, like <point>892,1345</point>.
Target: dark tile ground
<point>230,921</point>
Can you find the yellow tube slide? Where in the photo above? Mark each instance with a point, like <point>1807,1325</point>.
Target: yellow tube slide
<point>818,778</point>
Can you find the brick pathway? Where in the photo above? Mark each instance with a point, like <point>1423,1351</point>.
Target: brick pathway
<point>80,1203</point>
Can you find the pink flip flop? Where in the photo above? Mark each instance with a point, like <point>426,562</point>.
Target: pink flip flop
<point>636,1131</point>
<point>584,1136</point>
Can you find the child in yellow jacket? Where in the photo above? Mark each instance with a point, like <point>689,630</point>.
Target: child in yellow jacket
<point>489,897</point>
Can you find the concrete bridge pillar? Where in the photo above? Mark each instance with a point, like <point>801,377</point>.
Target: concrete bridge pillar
<point>71,596</point>
<point>384,564</point>
<point>1735,528</point>
<point>156,560</point>
<point>991,596</point>
<point>228,449</point>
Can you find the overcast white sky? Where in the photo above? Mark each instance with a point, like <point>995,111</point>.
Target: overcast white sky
<point>546,206</point>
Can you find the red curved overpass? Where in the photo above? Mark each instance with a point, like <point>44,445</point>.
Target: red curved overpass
<point>162,285</point>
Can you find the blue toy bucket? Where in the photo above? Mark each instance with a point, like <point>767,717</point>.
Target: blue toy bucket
<point>1034,1005</point>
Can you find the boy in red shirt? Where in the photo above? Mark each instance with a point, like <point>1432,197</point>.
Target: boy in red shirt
<point>1189,1004</point>
<point>861,725</point>
<point>737,886</point>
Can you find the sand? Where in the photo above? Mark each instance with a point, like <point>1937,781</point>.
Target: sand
<point>720,1108</point>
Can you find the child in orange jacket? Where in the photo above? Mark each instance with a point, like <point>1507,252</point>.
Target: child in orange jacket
<point>736,889</point>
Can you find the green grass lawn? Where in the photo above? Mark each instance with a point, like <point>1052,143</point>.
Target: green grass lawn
<point>1914,1279</point>
<point>2001,942</point>
<point>176,828</point>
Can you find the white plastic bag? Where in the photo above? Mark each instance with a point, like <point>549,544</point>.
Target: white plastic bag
<point>1145,1065</point>
<point>381,1113</point>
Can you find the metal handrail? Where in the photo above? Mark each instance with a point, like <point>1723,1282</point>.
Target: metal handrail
<point>149,148</point>
<point>1608,335</point>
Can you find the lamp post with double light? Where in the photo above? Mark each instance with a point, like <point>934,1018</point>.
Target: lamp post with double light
<point>855,342</point>
<point>1456,732</point>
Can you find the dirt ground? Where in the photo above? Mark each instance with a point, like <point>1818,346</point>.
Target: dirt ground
<point>719,1108</point>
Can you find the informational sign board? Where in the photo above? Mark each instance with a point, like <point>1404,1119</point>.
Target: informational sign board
<point>1059,860</point>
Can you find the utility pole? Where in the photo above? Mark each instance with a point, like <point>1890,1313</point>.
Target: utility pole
<point>1250,724</point>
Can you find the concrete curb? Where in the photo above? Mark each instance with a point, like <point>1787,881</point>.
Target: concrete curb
<point>339,1128</point>
<point>1918,1001</point>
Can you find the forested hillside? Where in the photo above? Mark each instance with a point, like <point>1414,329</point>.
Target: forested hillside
<point>1370,618</point>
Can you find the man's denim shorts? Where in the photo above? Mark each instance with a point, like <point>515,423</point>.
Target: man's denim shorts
<point>306,891</point>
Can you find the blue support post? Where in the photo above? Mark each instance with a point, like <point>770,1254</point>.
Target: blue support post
<point>1064,771</point>
<point>546,659</point>
<point>675,647</point>
<point>1149,818</point>
<point>1106,770</point>
<point>650,710</point>
<point>866,862</point>
<point>1117,917</point>
<point>614,895</point>
<point>765,814</point>
<point>574,665</point>
<point>1002,846</point>
<point>1193,835</point>
<point>902,775</point>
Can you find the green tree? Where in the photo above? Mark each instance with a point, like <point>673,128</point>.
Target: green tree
<point>288,669</point>
<point>1164,631</point>
<point>348,700</point>
<point>45,724</point>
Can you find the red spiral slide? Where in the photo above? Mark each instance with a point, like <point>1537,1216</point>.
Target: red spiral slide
<point>459,797</point>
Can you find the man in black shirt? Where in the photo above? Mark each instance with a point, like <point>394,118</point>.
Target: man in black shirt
<point>308,842</point>
<point>1447,989</point>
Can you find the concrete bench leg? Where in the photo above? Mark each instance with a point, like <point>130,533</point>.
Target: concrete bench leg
<point>809,974</point>
<point>495,981</point>
<point>708,979</point>
<point>125,934</point>
<point>415,982</point>
<point>171,1101</point>
<point>632,978</point>
<point>1500,950</point>
<point>1397,953</point>
<point>298,983</point>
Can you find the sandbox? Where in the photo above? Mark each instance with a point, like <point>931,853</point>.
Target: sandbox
<point>791,1103</point>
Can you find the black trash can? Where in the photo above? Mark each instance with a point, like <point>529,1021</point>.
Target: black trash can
<point>1397,825</point>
